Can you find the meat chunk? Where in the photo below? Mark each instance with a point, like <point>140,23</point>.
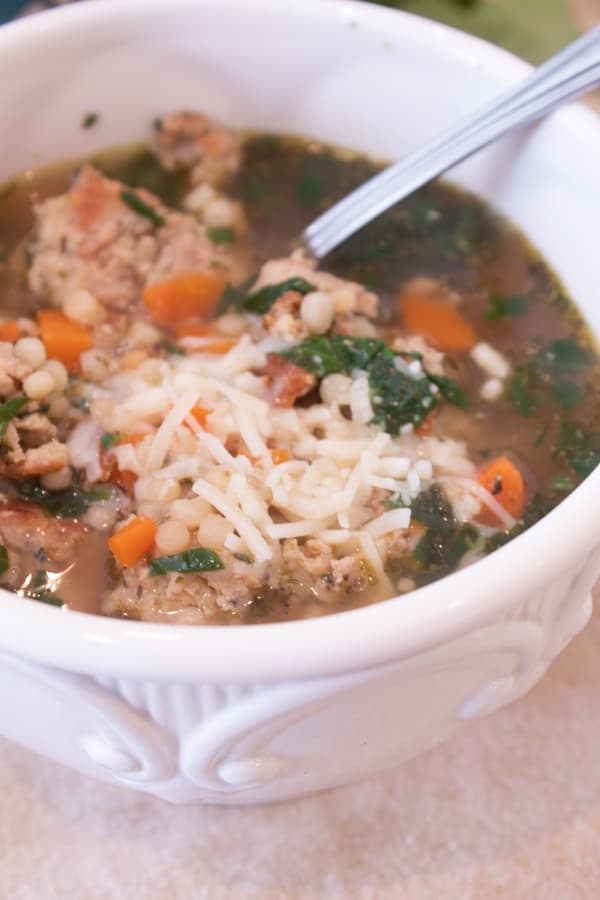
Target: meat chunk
<point>348,296</point>
<point>287,381</point>
<point>13,371</point>
<point>191,599</point>
<point>42,552</point>
<point>433,360</point>
<point>36,429</point>
<point>91,238</point>
<point>318,574</point>
<point>283,319</point>
<point>28,441</point>
<point>27,529</point>
<point>353,307</point>
<point>191,140</point>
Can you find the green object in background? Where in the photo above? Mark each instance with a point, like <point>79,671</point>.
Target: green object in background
<point>533,29</point>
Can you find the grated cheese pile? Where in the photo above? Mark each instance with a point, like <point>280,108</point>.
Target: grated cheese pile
<point>337,469</point>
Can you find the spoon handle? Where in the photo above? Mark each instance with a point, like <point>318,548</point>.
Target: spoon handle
<point>567,74</point>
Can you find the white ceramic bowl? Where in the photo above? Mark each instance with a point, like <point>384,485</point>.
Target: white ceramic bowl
<point>265,712</point>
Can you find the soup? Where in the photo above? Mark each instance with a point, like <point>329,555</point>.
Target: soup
<point>184,440</point>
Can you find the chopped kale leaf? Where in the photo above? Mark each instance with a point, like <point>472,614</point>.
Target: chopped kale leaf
<point>523,390</point>
<point>261,301</point>
<point>450,390</point>
<point>503,307</point>
<point>562,484</point>
<point>198,559</point>
<point>82,403</point>
<point>564,354</point>
<point>579,447</point>
<point>464,540</point>
<point>41,588</point>
<point>173,349</point>
<point>311,187</point>
<point>9,411</point>
<point>144,171</point>
<point>536,509</point>
<point>66,504</point>
<point>4,561</point>
<point>568,393</point>
<point>89,120</point>
<point>431,509</point>
<point>398,397</point>
<point>137,205</point>
<point>221,235</point>
<point>109,439</point>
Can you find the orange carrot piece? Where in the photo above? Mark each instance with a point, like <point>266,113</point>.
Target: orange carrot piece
<point>506,484</point>
<point>194,294</point>
<point>438,322</point>
<point>219,348</point>
<point>136,438</point>
<point>134,541</point>
<point>63,338</point>
<point>200,414</point>
<point>279,455</point>
<point>193,329</point>
<point>10,331</point>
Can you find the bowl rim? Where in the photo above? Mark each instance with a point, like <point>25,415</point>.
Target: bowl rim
<point>342,642</point>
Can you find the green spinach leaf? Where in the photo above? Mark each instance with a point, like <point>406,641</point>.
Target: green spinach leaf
<point>9,411</point>
<point>67,504</point>
<point>261,301</point>
<point>503,307</point>
<point>198,559</point>
<point>137,205</point>
<point>398,396</point>
<point>221,235</point>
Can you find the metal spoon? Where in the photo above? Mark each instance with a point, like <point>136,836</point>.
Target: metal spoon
<point>567,74</point>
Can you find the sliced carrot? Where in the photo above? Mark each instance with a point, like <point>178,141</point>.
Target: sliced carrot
<point>279,455</point>
<point>10,331</point>
<point>437,321</point>
<point>219,348</point>
<point>200,414</point>
<point>506,484</point>
<point>194,294</point>
<point>193,329</point>
<point>136,438</point>
<point>63,338</point>
<point>134,541</point>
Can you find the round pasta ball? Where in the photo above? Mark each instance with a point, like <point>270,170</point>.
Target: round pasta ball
<point>83,307</point>
<point>172,537</point>
<point>317,312</point>
<point>38,385</point>
<point>58,373</point>
<point>213,530</point>
<point>31,351</point>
